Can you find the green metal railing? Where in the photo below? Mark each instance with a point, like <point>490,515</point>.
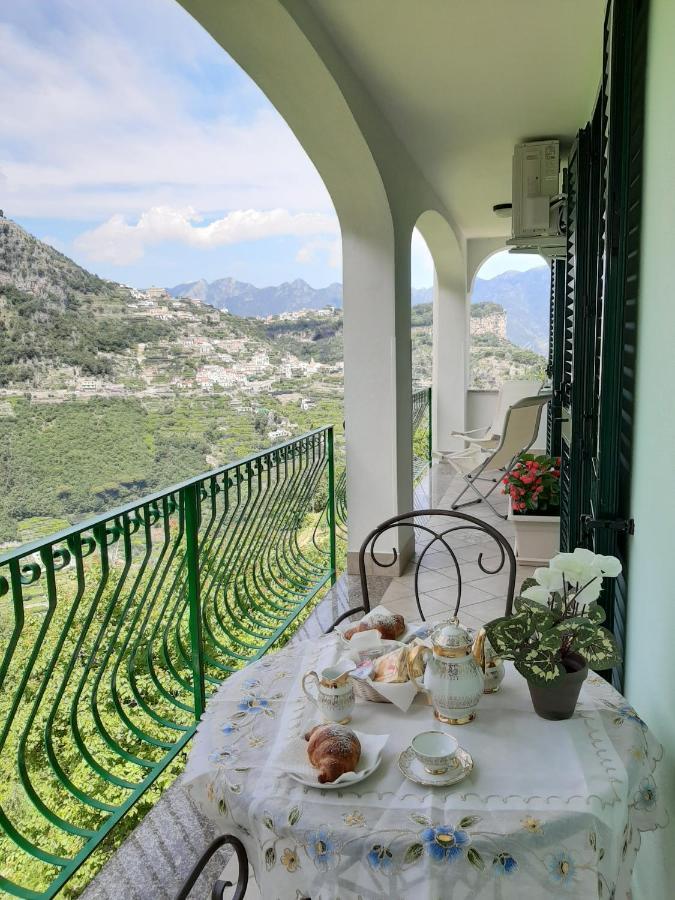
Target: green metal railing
<point>114,632</point>
<point>422,435</point>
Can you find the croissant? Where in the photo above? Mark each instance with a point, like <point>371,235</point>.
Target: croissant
<point>391,627</point>
<point>333,750</point>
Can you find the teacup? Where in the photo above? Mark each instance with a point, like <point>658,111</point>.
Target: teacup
<point>436,750</point>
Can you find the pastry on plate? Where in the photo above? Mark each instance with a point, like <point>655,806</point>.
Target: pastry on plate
<point>390,627</point>
<point>333,750</point>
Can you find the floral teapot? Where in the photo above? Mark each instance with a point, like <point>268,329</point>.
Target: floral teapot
<point>452,677</point>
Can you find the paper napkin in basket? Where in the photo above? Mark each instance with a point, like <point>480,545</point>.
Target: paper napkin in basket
<point>296,761</point>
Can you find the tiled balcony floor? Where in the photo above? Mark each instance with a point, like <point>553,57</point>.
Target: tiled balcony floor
<point>483,595</point>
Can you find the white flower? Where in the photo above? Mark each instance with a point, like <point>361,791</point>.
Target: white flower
<point>578,567</point>
<point>608,565</point>
<point>590,591</point>
<point>537,593</point>
<point>551,579</point>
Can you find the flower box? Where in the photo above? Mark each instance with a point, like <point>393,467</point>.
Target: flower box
<point>537,537</point>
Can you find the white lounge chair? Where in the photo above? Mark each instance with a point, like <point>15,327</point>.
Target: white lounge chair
<point>520,430</point>
<point>509,393</point>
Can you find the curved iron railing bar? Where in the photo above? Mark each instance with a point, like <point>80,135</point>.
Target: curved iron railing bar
<point>24,775</point>
<point>121,648</point>
<point>241,510</point>
<point>163,621</point>
<point>308,487</point>
<point>295,573</point>
<point>142,642</point>
<point>52,756</point>
<point>59,646</point>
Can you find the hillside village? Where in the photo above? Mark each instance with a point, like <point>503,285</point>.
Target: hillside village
<point>108,392</point>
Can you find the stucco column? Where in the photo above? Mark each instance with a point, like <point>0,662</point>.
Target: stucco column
<point>450,354</point>
<point>377,385</point>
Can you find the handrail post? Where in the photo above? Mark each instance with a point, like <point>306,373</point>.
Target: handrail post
<point>190,499</point>
<point>430,441</point>
<point>331,503</point>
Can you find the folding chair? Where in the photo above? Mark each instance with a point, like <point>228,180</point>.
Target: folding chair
<point>509,393</point>
<point>521,427</point>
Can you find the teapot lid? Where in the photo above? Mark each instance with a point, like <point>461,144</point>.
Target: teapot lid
<point>451,636</point>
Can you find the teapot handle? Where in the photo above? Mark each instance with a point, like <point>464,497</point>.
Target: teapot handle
<point>310,696</point>
<point>420,687</point>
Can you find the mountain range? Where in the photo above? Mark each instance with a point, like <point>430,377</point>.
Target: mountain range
<point>524,296</point>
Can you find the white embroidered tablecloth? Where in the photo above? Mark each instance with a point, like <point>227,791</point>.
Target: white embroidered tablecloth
<point>550,809</point>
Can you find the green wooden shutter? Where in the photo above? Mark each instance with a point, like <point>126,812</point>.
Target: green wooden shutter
<point>608,522</point>
<point>575,340</point>
<point>555,355</point>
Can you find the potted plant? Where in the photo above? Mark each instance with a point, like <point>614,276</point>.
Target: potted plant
<point>556,634</point>
<point>533,486</point>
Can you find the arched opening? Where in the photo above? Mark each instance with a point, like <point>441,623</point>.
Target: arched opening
<point>436,253</point>
<point>508,320</point>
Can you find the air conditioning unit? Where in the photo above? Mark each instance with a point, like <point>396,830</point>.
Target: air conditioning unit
<point>538,205</point>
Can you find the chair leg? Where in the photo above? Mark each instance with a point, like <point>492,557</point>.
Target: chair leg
<point>220,885</point>
<point>470,483</point>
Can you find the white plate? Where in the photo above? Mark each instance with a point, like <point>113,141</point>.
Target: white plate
<point>366,765</point>
<point>413,769</point>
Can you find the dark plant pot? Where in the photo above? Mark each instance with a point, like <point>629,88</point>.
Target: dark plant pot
<point>559,700</point>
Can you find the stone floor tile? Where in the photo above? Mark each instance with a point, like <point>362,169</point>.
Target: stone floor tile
<point>470,595</point>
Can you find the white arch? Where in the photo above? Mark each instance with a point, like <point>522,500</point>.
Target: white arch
<point>285,51</point>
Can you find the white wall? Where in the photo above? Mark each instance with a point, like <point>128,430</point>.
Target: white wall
<point>650,654</point>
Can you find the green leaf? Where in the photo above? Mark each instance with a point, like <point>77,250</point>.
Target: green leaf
<point>421,820</point>
<point>294,815</point>
<point>528,583</point>
<point>475,858</point>
<point>595,613</point>
<point>540,617</point>
<point>468,821</point>
<point>270,858</point>
<point>413,853</point>
<point>507,634</point>
<point>599,648</point>
<point>540,667</point>
<point>268,821</point>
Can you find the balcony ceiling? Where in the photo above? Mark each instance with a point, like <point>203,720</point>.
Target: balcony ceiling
<point>462,81</point>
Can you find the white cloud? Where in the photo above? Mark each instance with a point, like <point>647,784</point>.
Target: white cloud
<point>99,120</point>
<point>330,250</point>
<point>120,243</point>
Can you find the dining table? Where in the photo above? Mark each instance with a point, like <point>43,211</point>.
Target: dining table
<point>550,808</point>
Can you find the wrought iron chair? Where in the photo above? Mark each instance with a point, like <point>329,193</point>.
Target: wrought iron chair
<point>218,891</point>
<point>439,535</point>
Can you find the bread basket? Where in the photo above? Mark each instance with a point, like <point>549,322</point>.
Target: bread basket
<point>364,689</point>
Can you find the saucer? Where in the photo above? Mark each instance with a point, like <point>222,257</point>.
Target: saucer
<point>413,769</point>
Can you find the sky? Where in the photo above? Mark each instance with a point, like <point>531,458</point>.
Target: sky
<point>132,142</point>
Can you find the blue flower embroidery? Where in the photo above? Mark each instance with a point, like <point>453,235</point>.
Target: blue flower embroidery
<point>626,712</point>
<point>253,704</point>
<point>251,683</point>
<point>380,858</point>
<point>321,849</point>
<point>561,869</point>
<point>504,864</point>
<point>646,794</point>
<point>224,757</point>
<point>229,728</point>
<point>444,843</point>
